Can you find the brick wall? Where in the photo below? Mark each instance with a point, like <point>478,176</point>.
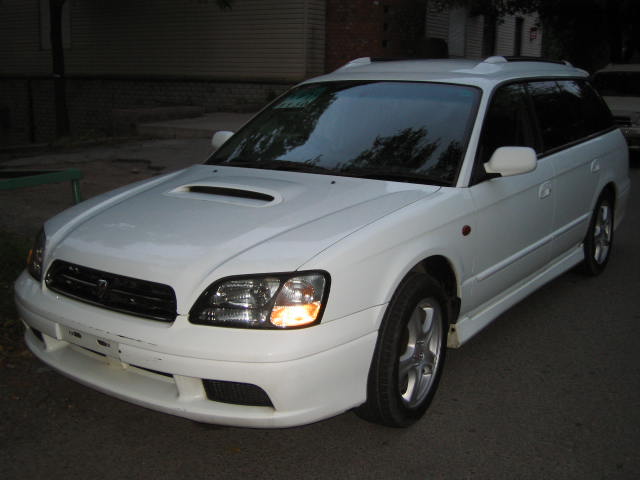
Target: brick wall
<point>14,122</point>
<point>372,28</point>
<point>26,111</point>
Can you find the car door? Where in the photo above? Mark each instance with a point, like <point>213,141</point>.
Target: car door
<point>571,114</point>
<point>515,213</point>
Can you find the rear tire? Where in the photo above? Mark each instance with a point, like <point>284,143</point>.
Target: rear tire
<point>599,240</point>
<point>409,357</point>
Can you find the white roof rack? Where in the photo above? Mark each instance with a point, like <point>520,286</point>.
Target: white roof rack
<point>503,59</point>
<point>495,59</point>
<point>357,62</point>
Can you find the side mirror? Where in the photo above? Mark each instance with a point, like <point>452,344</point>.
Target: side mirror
<point>219,138</point>
<point>508,161</point>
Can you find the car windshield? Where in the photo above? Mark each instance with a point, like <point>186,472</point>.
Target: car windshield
<point>402,131</point>
<point>618,84</point>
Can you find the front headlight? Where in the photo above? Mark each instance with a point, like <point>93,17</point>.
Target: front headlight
<point>36,256</point>
<point>265,301</point>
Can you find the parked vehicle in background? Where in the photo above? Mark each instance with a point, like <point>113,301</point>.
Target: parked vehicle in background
<point>619,85</point>
<point>326,255</point>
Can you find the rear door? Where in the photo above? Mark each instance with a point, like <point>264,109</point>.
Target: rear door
<point>515,214</point>
<point>571,117</point>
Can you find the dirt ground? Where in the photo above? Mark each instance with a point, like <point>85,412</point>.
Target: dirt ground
<point>104,167</point>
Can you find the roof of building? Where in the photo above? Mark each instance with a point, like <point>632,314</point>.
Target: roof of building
<point>484,73</point>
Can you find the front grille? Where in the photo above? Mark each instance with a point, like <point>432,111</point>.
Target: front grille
<point>114,292</point>
<point>236,393</point>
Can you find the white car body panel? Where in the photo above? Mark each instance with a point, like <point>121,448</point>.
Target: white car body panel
<point>578,176</point>
<point>371,271</point>
<point>501,238</point>
<point>150,238</point>
<point>298,387</point>
<point>523,247</point>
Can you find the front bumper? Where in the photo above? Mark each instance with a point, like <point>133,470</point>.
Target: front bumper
<point>308,374</point>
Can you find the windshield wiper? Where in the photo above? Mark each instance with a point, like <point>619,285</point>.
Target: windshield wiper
<point>376,174</point>
<point>407,177</point>
<point>279,165</point>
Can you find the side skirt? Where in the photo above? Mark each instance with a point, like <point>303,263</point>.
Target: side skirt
<point>470,324</point>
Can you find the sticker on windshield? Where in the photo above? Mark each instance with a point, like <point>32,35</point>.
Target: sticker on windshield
<point>301,98</point>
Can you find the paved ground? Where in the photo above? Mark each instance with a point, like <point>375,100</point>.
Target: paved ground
<point>199,127</point>
<point>551,390</point>
<point>105,167</point>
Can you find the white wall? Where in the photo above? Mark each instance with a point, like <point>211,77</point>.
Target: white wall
<point>464,33</point>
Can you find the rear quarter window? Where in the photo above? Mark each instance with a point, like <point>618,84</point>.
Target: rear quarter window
<point>568,111</point>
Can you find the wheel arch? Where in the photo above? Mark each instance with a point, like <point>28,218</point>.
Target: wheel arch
<point>441,269</point>
<point>610,191</point>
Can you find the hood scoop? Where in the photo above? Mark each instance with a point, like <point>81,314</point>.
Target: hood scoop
<point>230,192</point>
<point>234,194</point>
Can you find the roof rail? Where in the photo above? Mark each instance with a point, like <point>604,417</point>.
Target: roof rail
<point>495,59</point>
<point>506,59</point>
<point>356,62</point>
<point>369,60</point>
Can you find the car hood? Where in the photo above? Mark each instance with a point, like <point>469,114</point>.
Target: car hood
<point>625,107</point>
<point>208,221</point>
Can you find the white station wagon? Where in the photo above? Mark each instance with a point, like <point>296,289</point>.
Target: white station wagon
<point>325,256</point>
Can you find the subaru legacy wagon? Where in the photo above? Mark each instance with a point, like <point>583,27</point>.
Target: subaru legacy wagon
<point>327,254</point>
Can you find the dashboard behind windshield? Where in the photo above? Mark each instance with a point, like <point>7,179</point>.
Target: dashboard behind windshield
<point>404,131</point>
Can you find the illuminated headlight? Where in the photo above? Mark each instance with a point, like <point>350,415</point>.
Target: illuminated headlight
<point>36,256</point>
<point>268,301</point>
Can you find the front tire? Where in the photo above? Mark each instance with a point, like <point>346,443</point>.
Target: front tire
<point>599,239</point>
<point>410,352</point>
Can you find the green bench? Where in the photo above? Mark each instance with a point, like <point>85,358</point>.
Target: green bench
<point>13,179</point>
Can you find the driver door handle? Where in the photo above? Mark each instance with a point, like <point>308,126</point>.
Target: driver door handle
<point>544,190</point>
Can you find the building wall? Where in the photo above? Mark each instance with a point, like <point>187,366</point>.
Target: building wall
<point>474,40</point>
<point>464,33</point>
<point>123,54</point>
<point>532,37</point>
<point>372,28</point>
<point>257,40</point>
<point>144,53</point>
<point>457,32</point>
<point>20,48</point>
<point>437,22</point>
<point>27,108</point>
<point>23,104</point>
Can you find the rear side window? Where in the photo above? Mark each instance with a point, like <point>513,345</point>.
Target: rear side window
<point>554,121</point>
<point>567,111</point>
<point>596,114</point>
